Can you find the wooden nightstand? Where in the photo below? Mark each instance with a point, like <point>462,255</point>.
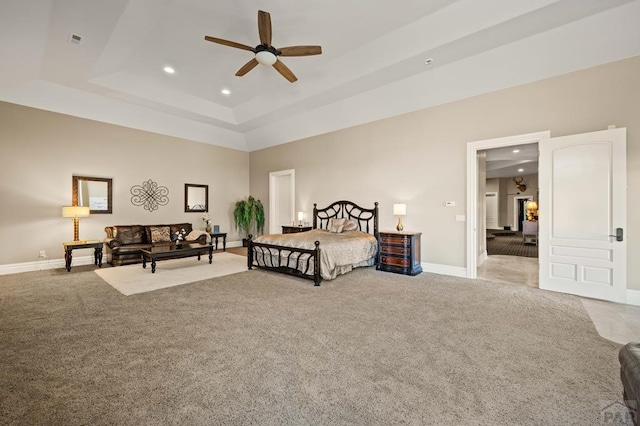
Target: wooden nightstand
<point>295,229</point>
<point>399,252</point>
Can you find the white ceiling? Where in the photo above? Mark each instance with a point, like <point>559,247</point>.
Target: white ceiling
<point>372,66</point>
<point>512,161</point>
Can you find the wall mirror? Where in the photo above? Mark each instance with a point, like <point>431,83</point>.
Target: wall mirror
<point>196,197</point>
<point>92,192</point>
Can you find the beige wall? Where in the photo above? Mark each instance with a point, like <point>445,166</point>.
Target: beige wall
<point>420,158</point>
<point>42,150</point>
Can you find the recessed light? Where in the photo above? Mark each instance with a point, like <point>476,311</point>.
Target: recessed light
<point>521,170</point>
<point>515,151</point>
<point>169,70</point>
<point>428,62</point>
<point>225,92</point>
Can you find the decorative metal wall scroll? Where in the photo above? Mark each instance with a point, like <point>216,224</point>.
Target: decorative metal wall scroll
<point>149,195</point>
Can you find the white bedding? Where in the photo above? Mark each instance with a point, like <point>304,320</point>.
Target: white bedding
<point>339,252</point>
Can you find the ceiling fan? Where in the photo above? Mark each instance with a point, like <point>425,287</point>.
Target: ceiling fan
<point>265,53</point>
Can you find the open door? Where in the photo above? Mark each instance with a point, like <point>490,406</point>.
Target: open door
<point>582,221</point>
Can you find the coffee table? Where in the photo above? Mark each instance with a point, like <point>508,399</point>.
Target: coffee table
<point>171,251</point>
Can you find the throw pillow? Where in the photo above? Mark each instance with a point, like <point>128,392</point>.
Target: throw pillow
<point>160,234</point>
<point>350,225</point>
<point>336,225</point>
<point>336,229</point>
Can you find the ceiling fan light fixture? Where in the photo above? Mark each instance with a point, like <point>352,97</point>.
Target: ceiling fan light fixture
<point>266,58</point>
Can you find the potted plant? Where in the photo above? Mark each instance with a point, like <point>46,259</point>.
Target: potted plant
<point>248,216</point>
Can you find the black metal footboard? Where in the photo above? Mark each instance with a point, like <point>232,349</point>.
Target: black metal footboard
<point>303,263</point>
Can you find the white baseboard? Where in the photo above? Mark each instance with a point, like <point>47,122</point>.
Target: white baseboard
<point>41,265</point>
<point>454,271</point>
<point>47,263</point>
<point>482,258</point>
<point>232,244</point>
<point>633,297</point>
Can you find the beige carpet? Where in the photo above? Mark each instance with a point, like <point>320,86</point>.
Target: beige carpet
<point>369,348</point>
<point>133,279</point>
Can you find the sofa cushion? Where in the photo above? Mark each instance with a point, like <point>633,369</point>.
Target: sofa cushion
<point>128,234</point>
<point>160,234</point>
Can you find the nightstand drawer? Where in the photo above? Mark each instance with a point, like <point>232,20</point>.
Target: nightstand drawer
<point>399,252</point>
<point>396,261</point>
<point>401,240</point>
<point>404,251</point>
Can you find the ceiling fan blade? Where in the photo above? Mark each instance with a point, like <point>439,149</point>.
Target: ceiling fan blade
<point>286,72</point>
<point>300,50</point>
<point>247,67</point>
<point>229,43</point>
<point>264,27</point>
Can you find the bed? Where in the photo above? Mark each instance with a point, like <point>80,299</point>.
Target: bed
<point>327,250</point>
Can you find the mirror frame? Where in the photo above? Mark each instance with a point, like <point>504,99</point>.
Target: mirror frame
<point>187,209</point>
<point>108,181</point>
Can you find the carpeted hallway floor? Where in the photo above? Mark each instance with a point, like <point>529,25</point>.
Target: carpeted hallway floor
<point>261,348</point>
<point>510,245</point>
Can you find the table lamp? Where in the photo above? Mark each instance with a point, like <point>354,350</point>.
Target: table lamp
<point>75,212</point>
<point>531,207</point>
<point>400,210</point>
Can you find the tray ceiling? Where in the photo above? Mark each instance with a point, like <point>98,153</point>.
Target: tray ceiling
<point>372,66</point>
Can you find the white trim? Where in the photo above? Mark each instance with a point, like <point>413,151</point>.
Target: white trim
<point>482,257</point>
<point>454,271</point>
<point>41,265</point>
<point>472,187</point>
<point>633,297</point>
<point>274,226</point>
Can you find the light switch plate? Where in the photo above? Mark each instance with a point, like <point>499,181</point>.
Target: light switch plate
<point>449,203</point>
<point>460,218</point>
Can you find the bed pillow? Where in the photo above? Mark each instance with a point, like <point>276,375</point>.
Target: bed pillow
<point>160,234</point>
<point>336,225</point>
<point>350,225</point>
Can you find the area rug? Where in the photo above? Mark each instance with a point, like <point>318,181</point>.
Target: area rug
<point>133,279</point>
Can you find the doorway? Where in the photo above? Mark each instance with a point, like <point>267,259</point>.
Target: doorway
<point>281,199</point>
<point>475,154</point>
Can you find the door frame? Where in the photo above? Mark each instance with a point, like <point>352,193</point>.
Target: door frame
<point>472,187</point>
<point>274,226</point>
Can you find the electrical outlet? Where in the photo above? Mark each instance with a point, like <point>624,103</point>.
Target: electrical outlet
<point>42,254</point>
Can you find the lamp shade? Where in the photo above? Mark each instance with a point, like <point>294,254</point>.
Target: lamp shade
<point>531,205</point>
<point>400,209</point>
<point>300,216</point>
<point>75,211</point>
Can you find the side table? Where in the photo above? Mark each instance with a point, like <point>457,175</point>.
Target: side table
<point>70,246</point>
<point>215,236</point>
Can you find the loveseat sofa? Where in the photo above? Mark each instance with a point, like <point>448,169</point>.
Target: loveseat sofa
<point>125,241</point>
<point>629,357</point>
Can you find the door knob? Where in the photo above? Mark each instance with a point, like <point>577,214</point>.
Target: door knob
<point>619,234</point>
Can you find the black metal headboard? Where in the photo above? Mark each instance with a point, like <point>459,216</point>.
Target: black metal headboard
<point>367,219</point>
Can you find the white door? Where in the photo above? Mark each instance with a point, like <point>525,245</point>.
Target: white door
<point>281,199</point>
<point>491,205</point>
<point>582,204</point>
